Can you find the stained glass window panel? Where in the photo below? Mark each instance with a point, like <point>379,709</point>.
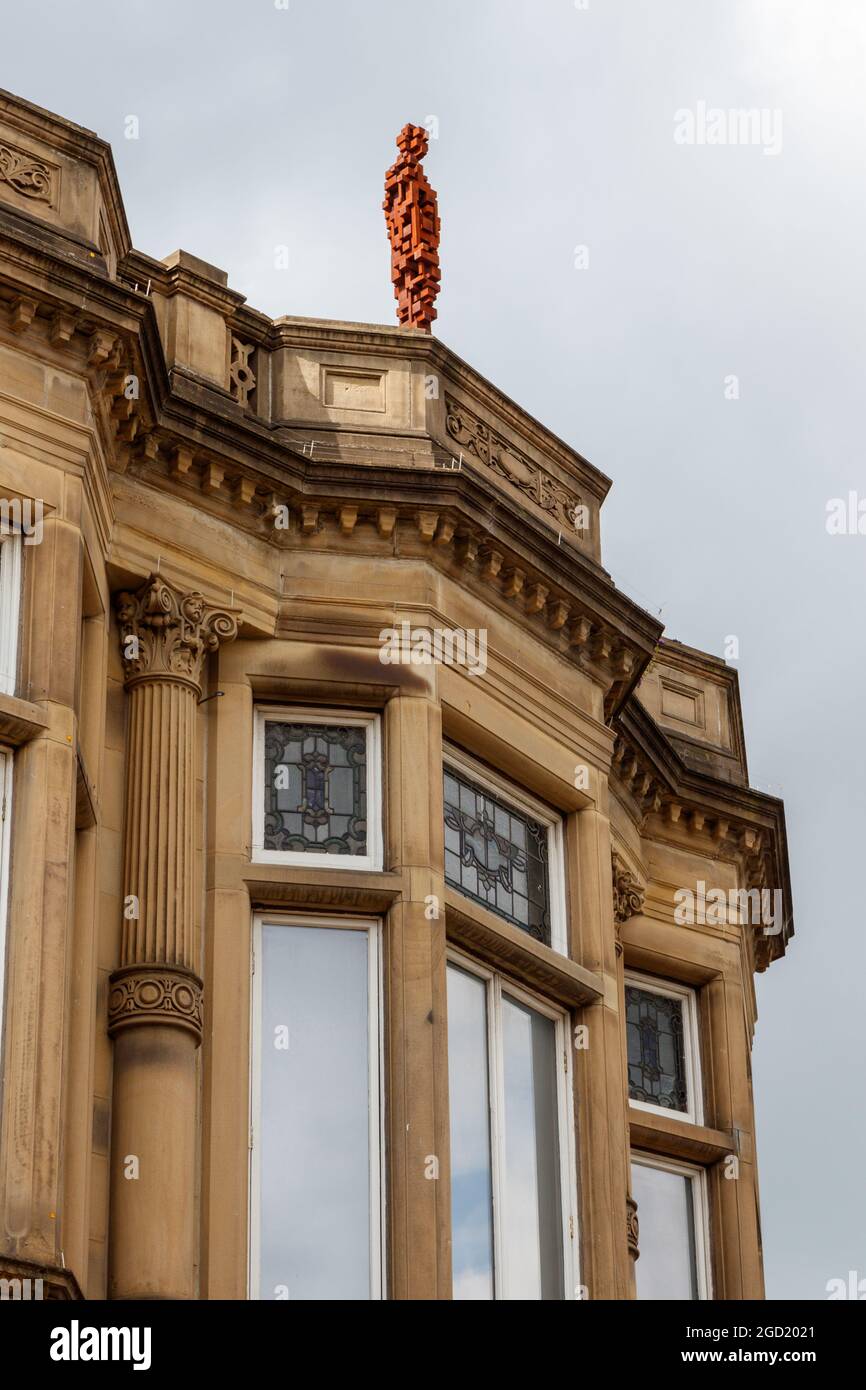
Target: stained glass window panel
<point>656,1049</point>
<point>497,855</point>
<point>315,788</point>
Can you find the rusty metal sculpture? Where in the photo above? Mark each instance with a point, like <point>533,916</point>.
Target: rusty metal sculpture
<point>412,219</point>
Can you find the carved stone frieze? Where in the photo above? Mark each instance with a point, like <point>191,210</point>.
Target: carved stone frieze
<point>155,994</point>
<point>502,458</point>
<point>167,633</point>
<point>31,177</point>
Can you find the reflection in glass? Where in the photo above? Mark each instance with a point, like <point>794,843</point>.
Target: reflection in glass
<point>314,1123</point>
<point>532,1217</point>
<point>667,1267</point>
<point>471,1181</point>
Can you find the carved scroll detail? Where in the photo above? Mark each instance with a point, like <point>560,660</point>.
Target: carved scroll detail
<point>628,895</point>
<point>165,632</point>
<point>29,176</point>
<point>491,449</point>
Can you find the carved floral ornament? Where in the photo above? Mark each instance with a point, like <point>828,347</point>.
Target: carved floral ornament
<point>29,176</point>
<point>502,458</point>
<point>165,632</point>
<point>628,895</point>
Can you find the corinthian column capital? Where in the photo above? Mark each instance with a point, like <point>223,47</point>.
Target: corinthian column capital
<point>166,633</point>
<point>628,896</point>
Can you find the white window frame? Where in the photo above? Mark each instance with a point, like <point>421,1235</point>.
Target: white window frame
<point>376,1035</point>
<point>522,801</point>
<point>292,714</point>
<point>10,609</point>
<point>497,985</point>
<point>700,1209</point>
<point>6,767</point>
<point>694,1114</point>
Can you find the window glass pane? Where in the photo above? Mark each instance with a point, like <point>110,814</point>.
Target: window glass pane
<point>315,788</point>
<point>471,1180</point>
<point>496,855</point>
<point>532,1215</point>
<point>666,1267</point>
<point>656,1052</point>
<point>314,1125</point>
<point>10,596</point>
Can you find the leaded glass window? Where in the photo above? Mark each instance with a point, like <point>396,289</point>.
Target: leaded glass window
<point>656,1049</point>
<point>497,855</point>
<point>315,788</point>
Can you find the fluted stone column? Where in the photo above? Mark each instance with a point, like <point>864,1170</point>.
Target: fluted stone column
<point>155,1000</point>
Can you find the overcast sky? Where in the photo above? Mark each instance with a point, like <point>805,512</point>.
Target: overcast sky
<point>261,126</point>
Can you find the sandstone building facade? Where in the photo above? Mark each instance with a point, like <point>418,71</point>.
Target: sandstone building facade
<point>351,815</point>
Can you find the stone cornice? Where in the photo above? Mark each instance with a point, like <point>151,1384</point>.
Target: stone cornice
<point>462,526</point>
<point>180,435</point>
<point>322,335</point>
<point>672,802</point>
<point>80,143</point>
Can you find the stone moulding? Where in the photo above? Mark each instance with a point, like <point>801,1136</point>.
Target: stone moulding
<point>574,626</point>
<point>658,786</point>
<point>491,449</point>
<point>165,994</point>
<point>32,1281</point>
<point>30,176</point>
